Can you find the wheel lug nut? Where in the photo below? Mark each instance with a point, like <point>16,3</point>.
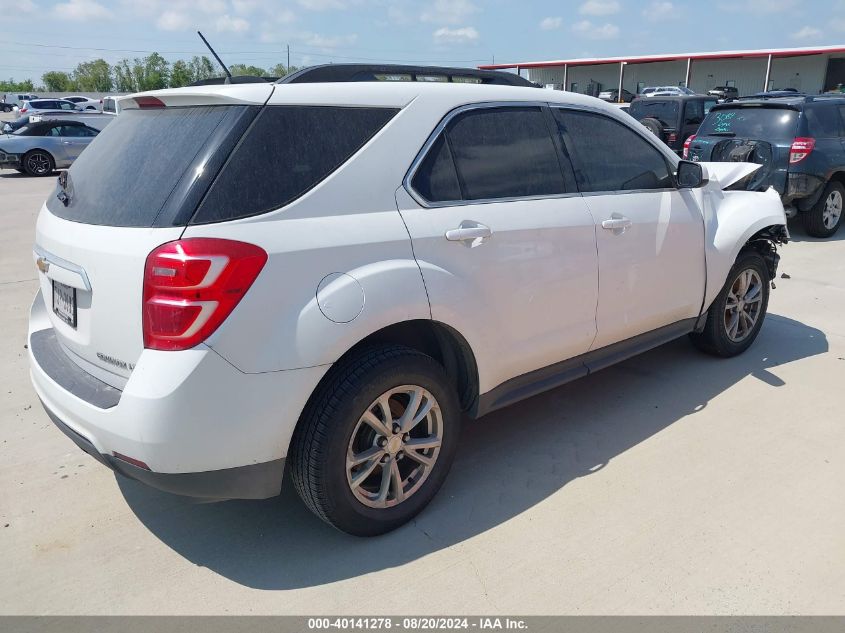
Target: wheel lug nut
<point>396,428</point>
<point>382,442</point>
<point>406,437</point>
<point>400,455</point>
<point>385,459</point>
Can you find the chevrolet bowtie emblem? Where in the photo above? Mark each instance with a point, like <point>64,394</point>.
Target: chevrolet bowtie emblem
<point>43,264</point>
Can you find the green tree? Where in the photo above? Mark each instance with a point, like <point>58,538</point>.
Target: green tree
<point>151,72</point>
<point>93,76</point>
<point>180,74</point>
<point>202,68</point>
<point>242,69</point>
<point>17,86</point>
<point>123,79</point>
<point>57,81</point>
<point>280,70</point>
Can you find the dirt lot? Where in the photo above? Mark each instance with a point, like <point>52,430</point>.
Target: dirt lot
<point>673,483</point>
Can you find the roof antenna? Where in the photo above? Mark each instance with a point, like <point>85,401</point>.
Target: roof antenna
<point>217,57</point>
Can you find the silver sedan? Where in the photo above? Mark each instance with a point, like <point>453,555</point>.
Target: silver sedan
<point>40,148</point>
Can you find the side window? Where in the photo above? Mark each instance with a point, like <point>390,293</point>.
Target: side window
<point>287,151</point>
<point>504,153</point>
<point>436,179</point>
<point>694,113</point>
<point>608,156</point>
<point>823,121</point>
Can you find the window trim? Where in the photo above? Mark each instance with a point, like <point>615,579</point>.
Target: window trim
<point>441,126</point>
<point>669,156</point>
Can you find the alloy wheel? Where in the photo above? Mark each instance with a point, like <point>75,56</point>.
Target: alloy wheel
<point>38,163</point>
<point>394,446</point>
<point>744,305</point>
<point>832,210</point>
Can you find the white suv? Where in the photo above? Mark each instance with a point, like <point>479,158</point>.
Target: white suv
<point>326,277</point>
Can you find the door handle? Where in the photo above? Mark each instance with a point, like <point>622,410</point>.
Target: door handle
<point>468,231</point>
<point>616,224</point>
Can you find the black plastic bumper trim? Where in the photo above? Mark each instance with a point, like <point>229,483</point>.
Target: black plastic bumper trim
<point>256,481</point>
<point>67,374</point>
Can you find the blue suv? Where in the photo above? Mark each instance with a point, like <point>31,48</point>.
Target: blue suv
<point>798,140</point>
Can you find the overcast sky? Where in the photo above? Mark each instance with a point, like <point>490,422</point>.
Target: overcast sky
<point>456,32</point>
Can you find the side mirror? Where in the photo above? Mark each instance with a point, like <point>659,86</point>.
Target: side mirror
<point>689,176</point>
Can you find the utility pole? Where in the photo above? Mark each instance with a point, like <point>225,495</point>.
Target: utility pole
<point>288,66</point>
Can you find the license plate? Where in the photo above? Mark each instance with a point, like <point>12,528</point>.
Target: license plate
<point>64,303</point>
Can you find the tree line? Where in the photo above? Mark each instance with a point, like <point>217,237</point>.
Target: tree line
<point>142,73</point>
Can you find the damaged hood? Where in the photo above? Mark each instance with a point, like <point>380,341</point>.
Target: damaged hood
<point>726,174</point>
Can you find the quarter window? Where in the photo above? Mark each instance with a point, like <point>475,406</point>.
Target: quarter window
<point>608,156</point>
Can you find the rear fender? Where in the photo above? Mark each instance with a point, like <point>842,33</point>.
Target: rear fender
<point>731,219</point>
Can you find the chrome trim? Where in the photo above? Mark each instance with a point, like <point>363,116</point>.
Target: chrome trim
<point>55,260</point>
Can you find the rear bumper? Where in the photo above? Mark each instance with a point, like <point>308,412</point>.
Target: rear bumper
<point>256,481</point>
<point>202,427</point>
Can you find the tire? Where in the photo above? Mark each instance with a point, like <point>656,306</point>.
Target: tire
<point>332,428</point>
<point>38,163</point>
<point>655,127</point>
<point>825,217</point>
<point>20,171</point>
<point>717,338</point>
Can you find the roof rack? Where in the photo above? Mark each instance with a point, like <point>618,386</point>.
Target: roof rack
<point>333,73</point>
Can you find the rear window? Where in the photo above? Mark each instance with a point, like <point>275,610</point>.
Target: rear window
<point>664,111</point>
<point>142,170</point>
<point>751,122</point>
<point>287,151</point>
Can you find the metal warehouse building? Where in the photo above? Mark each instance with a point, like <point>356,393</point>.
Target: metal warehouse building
<point>809,70</point>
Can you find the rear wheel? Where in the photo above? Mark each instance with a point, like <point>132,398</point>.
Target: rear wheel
<point>736,315</point>
<point>38,163</point>
<point>824,218</point>
<point>655,127</point>
<point>377,441</point>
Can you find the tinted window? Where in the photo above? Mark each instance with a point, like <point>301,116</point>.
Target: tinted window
<point>436,179</point>
<point>287,151</point>
<point>504,153</point>
<point>76,130</point>
<point>694,112</point>
<point>709,103</point>
<point>664,111</point>
<point>822,121</point>
<point>144,164</point>
<point>608,156</point>
<point>751,122</point>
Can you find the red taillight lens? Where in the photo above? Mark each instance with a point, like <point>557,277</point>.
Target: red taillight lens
<point>22,110</point>
<point>149,102</point>
<point>192,285</point>
<point>686,146</point>
<point>672,138</point>
<point>801,148</point>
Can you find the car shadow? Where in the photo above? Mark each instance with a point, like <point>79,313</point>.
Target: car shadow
<point>508,461</point>
<point>798,234</point>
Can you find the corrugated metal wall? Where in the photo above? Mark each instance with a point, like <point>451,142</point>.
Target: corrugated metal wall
<point>806,73</point>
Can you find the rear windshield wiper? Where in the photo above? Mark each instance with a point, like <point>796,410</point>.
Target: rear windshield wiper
<point>721,134</point>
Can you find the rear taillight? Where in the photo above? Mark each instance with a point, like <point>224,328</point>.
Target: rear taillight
<point>801,148</point>
<point>22,110</point>
<point>672,138</point>
<point>192,285</point>
<point>686,146</point>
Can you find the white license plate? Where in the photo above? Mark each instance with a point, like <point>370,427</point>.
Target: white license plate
<point>64,303</point>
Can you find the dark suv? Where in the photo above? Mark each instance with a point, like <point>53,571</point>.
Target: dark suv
<point>672,119</point>
<point>800,143</point>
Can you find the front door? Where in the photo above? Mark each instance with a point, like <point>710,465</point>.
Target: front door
<point>505,244</point>
<point>650,235</point>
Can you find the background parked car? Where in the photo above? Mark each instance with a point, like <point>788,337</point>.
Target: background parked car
<point>672,119</point>
<point>41,106</point>
<point>613,95</point>
<point>799,141</point>
<point>111,105</point>
<point>665,91</point>
<point>724,93</point>
<point>13,100</point>
<point>86,103</point>
<point>40,148</point>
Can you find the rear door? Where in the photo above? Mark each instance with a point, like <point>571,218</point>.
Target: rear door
<point>505,243</point>
<point>650,235</point>
<point>134,188</point>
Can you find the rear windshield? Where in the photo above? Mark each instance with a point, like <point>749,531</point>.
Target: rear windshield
<point>664,111</point>
<point>148,166</point>
<point>751,122</point>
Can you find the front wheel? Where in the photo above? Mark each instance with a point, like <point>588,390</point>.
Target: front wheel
<point>736,315</point>
<point>377,440</point>
<point>38,163</point>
